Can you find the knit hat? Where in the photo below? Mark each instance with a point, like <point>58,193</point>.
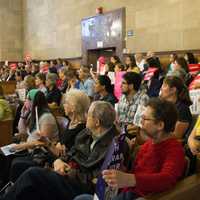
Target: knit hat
<point>31,94</point>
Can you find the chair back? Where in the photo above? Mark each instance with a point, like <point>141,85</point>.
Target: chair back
<point>187,188</point>
<point>6,132</point>
<point>8,87</point>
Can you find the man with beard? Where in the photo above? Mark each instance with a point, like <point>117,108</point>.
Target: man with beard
<point>132,98</point>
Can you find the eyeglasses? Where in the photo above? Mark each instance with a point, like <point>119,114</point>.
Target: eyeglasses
<point>147,119</point>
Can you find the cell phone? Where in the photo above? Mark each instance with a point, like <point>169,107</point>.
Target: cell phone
<point>93,68</point>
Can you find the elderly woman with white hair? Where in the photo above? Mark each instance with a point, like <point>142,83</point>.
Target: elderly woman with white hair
<point>53,93</point>
<point>76,105</point>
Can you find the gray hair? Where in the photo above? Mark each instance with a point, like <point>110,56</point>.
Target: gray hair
<point>52,77</point>
<point>104,112</point>
<point>80,101</point>
<point>64,71</point>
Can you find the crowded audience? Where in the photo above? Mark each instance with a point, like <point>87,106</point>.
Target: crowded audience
<point>50,162</point>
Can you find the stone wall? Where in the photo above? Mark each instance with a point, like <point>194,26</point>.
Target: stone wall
<point>165,25</point>
<point>11,43</point>
<point>51,28</point>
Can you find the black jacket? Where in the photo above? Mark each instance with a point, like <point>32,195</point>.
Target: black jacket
<point>54,95</point>
<point>89,162</point>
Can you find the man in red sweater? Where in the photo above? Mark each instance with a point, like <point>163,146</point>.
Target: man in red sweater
<point>160,162</point>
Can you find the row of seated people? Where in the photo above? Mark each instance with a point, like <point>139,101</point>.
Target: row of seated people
<point>69,79</point>
<point>75,160</point>
<point>178,66</point>
<point>135,63</point>
<point>89,86</point>
<point>134,96</point>
<point>139,64</point>
<point>172,89</point>
<point>8,73</point>
<point>130,88</point>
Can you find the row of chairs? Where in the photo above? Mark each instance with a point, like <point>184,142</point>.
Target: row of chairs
<point>187,188</point>
<point>9,87</point>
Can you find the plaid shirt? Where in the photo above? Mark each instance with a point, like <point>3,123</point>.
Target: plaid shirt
<point>126,109</point>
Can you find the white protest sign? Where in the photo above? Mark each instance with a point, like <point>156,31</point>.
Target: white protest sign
<point>37,120</point>
<point>111,75</point>
<point>95,197</point>
<point>195,97</point>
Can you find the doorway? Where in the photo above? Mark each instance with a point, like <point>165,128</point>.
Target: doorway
<point>94,54</point>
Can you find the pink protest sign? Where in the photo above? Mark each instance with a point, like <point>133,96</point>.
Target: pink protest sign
<point>118,82</point>
<point>194,69</point>
<point>149,73</point>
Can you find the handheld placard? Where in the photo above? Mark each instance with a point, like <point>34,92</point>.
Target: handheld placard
<point>197,129</point>
<point>114,160</point>
<point>37,120</point>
